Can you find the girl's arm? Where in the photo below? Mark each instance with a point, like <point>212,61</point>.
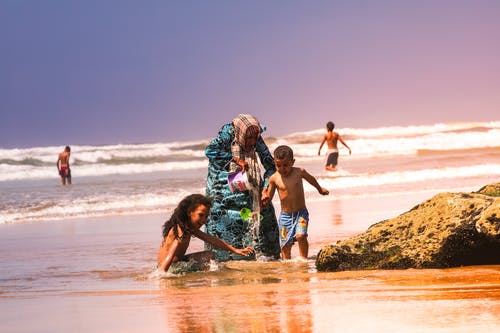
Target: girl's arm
<point>311,180</point>
<point>219,243</point>
<point>167,261</point>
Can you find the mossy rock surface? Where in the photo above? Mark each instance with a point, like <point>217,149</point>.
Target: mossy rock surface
<point>448,230</point>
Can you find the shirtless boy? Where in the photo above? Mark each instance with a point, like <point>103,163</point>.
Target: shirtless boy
<point>63,166</point>
<point>331,139</point>
<point>294,217</point>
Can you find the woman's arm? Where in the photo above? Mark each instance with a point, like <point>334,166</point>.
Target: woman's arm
<point>267,160</point>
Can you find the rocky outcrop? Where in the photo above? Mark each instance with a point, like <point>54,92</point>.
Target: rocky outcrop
<point>449,230</point>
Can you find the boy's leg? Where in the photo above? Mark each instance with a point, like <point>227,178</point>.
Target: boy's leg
<point>303,245</point>
<point>286,252</point>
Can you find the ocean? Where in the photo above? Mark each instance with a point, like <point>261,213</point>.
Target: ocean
<point>82,258</point>
<point>125,179</point>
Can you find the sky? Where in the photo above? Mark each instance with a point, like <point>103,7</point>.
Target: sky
<point>95,72</point>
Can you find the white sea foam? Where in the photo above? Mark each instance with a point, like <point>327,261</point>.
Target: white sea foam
<point>144,178</point>
<point>94,205</point>
<point>106,203</point>
<point>413,176</point>
<point>402,131</point>
<point>376,146</point>
<point>39,162</point>
<point>17,172</point>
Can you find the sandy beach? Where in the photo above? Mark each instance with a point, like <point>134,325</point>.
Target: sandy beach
<point>98,275</point>
<point>154,101</point>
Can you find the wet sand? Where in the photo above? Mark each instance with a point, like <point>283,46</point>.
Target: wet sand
<point>97,275</point>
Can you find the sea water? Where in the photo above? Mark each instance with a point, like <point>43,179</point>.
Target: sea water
<point>84,255</point>
<point>145,178</point>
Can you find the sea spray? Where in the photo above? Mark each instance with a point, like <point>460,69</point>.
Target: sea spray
<point>254,218</point>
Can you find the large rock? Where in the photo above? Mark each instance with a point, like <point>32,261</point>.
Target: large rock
<point>449,230</point>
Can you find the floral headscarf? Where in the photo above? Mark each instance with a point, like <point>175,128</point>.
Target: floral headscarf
<point>246,126</point>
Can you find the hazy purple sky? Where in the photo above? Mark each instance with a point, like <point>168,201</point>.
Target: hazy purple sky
<point>102,71</point>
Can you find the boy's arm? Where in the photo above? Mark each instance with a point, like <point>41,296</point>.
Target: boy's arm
<point>219,243</point>
<point>268,194</point>
<point>321,145</point>
<point>167,261</point>
<point>311,180</point>
<point>340,139</point>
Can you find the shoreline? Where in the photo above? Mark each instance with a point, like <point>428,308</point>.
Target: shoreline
<point>122,248</point>
<point>313,198</point>
<point>98,275</point>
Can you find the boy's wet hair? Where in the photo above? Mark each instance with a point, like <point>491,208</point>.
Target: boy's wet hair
<point>67,148</point>
<point>330,126</point>
<point>283,152</point>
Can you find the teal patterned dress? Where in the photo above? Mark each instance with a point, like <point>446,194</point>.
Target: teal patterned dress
<point>225,221</point>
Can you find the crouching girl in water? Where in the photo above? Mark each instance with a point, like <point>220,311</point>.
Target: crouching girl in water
<point>187,219</point>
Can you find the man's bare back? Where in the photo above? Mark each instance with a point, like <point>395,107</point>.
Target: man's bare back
<point>331,139</point>
<point>64,158</point>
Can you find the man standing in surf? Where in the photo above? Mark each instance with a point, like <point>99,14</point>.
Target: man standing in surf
<point>63,166</point>
<point>332,155</point>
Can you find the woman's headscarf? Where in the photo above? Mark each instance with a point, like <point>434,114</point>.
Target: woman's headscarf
<point>246,126</point>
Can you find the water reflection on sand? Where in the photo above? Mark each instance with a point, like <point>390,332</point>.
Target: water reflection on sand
<point>289,297</point>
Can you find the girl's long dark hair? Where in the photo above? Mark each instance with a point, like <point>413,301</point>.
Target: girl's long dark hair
<point>180,216</point>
